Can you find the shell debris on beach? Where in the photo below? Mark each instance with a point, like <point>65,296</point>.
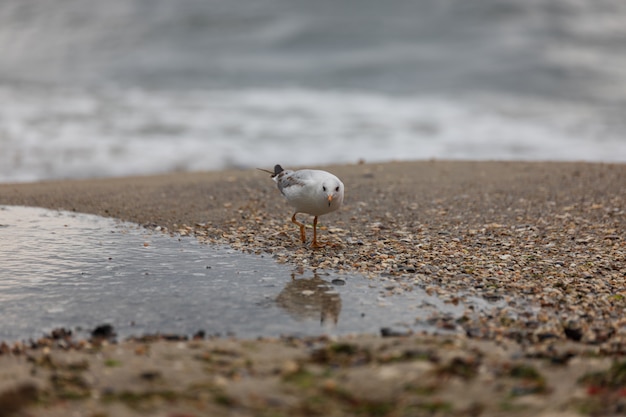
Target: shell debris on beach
<point>543,255</point>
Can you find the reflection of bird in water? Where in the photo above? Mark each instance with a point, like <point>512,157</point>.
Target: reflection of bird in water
<point>309,298</point>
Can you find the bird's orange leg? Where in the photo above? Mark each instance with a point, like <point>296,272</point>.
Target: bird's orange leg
<point>314,244</point>
<point>302,234</point>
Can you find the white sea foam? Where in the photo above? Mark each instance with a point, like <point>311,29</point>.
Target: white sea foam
<point>77,133</point>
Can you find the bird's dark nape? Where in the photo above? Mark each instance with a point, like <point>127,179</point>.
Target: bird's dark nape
<point>277,169</point>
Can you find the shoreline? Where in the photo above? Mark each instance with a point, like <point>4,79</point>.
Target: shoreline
<point>549,235</point>
<point>523,233</point>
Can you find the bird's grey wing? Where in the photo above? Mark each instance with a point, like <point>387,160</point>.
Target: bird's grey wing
<point>287,179</point>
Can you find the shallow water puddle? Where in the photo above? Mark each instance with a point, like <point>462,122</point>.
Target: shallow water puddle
<point>61,269</point>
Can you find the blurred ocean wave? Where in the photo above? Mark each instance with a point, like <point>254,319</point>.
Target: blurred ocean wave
<point>93,89</point>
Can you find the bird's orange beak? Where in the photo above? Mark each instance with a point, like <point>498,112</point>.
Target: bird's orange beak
<point>330,199</point>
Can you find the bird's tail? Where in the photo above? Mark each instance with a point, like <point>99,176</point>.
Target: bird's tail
<point>277,170</point>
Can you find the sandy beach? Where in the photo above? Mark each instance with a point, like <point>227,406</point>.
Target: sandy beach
<point>545,240</point>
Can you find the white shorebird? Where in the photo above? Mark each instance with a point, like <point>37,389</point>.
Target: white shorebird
<point>309,191</point>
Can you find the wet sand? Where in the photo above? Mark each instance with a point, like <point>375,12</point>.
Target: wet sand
<point>545,239</point>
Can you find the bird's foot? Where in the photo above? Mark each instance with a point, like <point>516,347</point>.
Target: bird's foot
<point>316,245</point>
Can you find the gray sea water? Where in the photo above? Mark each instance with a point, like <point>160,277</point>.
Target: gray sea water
<point>105,88</point>
<point>77,271</point>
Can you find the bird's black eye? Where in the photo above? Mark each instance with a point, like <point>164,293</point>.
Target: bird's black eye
<point>337,189</point>
<point>324,187</point>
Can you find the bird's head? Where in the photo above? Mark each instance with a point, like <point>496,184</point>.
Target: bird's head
<point>333,192</point>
